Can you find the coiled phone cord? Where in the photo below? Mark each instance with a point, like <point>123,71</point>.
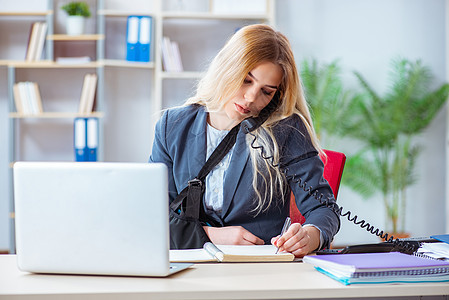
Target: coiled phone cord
<point>330,202</point>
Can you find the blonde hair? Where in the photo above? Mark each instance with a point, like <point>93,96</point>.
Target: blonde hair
<point>244,51</point>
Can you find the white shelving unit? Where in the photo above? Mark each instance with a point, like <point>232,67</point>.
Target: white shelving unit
<point>16,120</point>
<point>192,29</point>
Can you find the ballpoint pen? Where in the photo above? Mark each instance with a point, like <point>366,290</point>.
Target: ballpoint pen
<point>287,223</point>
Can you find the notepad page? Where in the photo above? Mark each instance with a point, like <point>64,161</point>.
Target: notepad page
<point>250,250</point>
<point>190,255</point>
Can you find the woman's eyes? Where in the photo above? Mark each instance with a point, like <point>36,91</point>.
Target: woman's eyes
<point>265,92</point>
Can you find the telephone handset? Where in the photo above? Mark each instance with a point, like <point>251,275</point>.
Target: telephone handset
<point>251,124</point>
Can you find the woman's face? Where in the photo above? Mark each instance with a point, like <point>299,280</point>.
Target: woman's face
<point>256,92</point>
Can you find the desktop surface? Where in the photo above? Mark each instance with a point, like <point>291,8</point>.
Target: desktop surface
<point>291,280</point>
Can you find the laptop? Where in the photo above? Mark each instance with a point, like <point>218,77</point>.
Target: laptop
<point>92,218</point>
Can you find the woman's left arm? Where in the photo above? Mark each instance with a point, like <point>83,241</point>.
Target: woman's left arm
<point>300,161</point>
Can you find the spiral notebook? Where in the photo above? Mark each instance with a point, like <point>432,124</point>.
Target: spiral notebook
<point>380,268</point>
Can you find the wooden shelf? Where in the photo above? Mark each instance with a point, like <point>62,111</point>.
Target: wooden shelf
<point>182,75</point>
<point>49,64</point>
<point>83,37</point>
<point>56,115</point>
<point>122,13</point>
<point>25,13</point>
<point>127,64</point>
<point>213,16</point>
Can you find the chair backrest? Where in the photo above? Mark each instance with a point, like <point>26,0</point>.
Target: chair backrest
<point>334,163</point>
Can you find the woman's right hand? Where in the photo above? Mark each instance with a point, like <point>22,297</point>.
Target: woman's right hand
<point>232,235</point>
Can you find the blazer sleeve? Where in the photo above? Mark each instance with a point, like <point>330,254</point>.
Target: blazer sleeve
<point>302,165</point>
<point>160,153</point>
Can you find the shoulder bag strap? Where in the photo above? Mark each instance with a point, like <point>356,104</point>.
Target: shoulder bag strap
<point>194,191</point>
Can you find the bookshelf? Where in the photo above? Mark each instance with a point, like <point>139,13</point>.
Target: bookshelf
<point>22,70</point>
<point>200,31</point>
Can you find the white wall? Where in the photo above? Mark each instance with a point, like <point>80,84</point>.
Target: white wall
<point>363,34</point>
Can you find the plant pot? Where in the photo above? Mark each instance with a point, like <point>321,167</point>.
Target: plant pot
<point>75,25</point>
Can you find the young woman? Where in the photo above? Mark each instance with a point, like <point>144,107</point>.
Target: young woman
<point>245,193</point>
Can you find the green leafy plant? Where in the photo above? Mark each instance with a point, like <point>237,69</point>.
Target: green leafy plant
<point>77,9</point>
<point>386,125</point>
<point>331,105</point>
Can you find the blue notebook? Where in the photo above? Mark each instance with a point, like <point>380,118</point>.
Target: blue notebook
<point>379,267</point>
<point>441,237</point>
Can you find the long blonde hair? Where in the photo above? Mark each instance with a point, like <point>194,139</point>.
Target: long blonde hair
<point>244,51</point>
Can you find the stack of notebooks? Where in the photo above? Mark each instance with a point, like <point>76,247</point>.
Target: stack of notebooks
<point>380,268</point>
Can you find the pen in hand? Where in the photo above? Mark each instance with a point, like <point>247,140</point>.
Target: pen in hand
<point>287,223</point>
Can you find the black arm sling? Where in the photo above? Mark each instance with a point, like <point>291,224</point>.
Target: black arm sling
<point>187,215</point>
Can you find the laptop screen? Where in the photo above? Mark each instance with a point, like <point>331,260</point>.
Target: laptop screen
<point>92,218</point>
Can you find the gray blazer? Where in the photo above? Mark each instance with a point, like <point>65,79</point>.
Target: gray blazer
<point>180,143</point>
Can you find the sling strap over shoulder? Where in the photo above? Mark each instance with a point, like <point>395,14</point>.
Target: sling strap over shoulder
<point>193,193</point>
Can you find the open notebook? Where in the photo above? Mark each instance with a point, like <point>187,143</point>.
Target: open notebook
<point>231,253</point>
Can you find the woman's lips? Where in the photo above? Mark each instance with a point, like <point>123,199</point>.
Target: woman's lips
<point>241,109</point>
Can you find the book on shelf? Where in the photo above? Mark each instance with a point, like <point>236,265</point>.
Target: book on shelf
<point>231,253</point>
<point>36,41</point>
<point>171,57</point>
<point>40,41</point>
<point>85,138</point>
<point>27,98</point>
<point>88,93</point>
<point>386,267</point>
<point>138,38</point>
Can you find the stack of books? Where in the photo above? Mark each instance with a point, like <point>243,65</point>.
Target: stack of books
<point>384,267</point>
<point>171,57</point>
<point>88,94</point>
<point>27,98</point>
<point>36,41</point>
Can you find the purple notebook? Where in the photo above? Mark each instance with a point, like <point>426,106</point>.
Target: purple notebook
<point>370,262</point>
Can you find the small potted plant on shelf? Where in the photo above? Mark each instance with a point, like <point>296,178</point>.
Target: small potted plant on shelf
<point>77,12</point>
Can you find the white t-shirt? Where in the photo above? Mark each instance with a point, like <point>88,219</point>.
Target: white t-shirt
<point>215,179</point>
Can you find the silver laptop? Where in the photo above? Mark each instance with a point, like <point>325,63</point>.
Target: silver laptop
<point>92,218</point>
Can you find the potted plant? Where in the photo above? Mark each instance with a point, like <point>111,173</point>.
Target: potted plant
<point>386,126</point>
<point>77,12</point>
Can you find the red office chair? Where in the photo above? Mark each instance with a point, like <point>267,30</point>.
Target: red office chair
<point>333,169</point>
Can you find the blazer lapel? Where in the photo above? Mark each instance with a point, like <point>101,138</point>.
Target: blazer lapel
<point>238,162</point>
<point>196,144</point>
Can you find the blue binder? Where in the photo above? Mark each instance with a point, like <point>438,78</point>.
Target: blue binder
<point>144,38</point>
<point>92,138</point>
<point>132,39</point>
<point>79,139</point>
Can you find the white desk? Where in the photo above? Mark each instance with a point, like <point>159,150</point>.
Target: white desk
<point>203,281</point>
